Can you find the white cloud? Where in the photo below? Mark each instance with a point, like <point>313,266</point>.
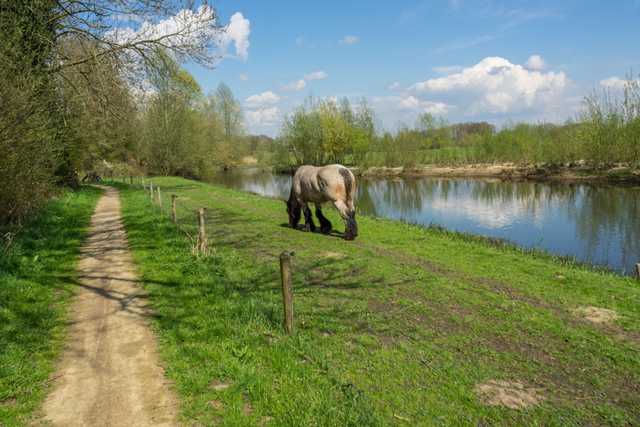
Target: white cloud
<point>495,86</point>
<point>315,75</point>
<point>293,87</point>
<point>395,86</point>
<point>615,84</point>
<point>238,32</point>
<point>244,77</point>
<point>348,40</point>
<point>263,118</point>
<point>410,103</point>
<point>302,83</point>
<point>265,98</point>
<point>536,63</point>
<point>185,25</point>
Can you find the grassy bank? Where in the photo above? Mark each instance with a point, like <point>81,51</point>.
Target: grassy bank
<point>38,279</point>
<point>405,325</point>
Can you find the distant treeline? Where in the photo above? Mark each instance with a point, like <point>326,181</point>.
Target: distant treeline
<point>604,131</point>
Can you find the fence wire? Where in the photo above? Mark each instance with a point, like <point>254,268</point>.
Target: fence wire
<point>449,364</point>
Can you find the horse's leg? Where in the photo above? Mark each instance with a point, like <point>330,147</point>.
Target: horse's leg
<point>325,224</point>
<point>308,218</point>
<point>348,214</point>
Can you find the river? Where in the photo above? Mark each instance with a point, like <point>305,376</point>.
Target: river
<point>598,223</point>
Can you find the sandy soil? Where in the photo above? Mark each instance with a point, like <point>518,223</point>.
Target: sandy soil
<point>540,172</point>
<point>109,374</point>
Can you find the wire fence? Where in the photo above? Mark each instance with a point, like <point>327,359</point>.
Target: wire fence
<point>414,377</point>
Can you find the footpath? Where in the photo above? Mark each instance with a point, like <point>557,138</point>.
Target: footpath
<point>109,374</point>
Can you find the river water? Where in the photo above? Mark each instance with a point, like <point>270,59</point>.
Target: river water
<point>598,223</point>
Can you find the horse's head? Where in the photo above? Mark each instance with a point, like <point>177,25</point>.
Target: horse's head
<point>293,210</point>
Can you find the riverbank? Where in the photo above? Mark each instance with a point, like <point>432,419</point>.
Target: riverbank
<point>578,172</point>
<point>38,281</point>
<point>405,323</point>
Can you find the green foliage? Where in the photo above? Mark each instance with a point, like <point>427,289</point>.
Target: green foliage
<point>325,130</point>
<point>405,322</point>
<point>38,279</point>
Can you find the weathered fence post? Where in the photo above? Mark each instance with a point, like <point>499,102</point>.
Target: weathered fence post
<point>159,198</point>
<point>202,238</point>
<point>638,270</point>
<point>151,189</point>
<point>144,186</point>
<point>173,208</point>
<point>137,182</point>
<point>287,289</point>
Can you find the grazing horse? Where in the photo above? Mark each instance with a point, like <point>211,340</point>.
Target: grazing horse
<point>318,185</point>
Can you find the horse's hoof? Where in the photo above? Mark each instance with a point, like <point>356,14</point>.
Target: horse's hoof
<point>306,228</point>
<point>349,236</point>
<point>326,230</point>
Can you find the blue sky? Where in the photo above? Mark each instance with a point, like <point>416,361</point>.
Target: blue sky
<point>464,60</point>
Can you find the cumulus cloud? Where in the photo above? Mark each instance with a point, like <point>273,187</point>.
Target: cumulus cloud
<point>395,86</point>
<point>536,63</point>
<point>348,40</point>
<point>263,118</point>
<point>315,75</point>
<point>237,32</point>
<point>495,86</point>
<point>302,83</point>
<point>615,84</point>
<point>244,77</point>
<point>265,98</point>
<point>189,28</point>
<point>183,26</point>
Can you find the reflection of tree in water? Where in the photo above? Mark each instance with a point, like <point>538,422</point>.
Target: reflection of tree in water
<point>608,219</point>
<point>393,198</point>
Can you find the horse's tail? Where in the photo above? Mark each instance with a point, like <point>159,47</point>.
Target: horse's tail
<point>349,183</point>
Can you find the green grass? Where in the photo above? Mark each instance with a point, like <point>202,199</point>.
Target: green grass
<point>38,280</point>
<point>404,323</point>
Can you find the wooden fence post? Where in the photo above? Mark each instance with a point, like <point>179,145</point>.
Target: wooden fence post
<point>287,289</point>
<point>144,186</point>
<point>137,182</point>
<point>638,270</point>
<point>202,238</point>
<point>159,198</point>
<point>151,189</point>
<point>173,208</point>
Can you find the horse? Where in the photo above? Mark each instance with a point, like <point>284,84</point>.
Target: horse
<point>318,185</point>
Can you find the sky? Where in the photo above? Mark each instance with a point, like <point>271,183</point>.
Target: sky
<point>466,61</point>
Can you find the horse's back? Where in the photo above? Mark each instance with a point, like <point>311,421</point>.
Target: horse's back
<point>324,183</point>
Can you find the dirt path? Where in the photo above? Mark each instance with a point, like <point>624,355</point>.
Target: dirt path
<point>109,374</point>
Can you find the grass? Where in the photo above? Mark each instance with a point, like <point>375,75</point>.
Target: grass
<point>38,279</point>
<point>404,325</point>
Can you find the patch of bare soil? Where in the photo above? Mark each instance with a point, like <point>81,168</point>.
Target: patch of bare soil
<point>334,255</point>
<point>512,395</point>
<point>596,314</point>
<point>109,373</point>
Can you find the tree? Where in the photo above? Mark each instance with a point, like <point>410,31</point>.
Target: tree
<point>230,110</point>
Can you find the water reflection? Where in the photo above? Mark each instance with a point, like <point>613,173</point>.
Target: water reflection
<point>598,223</point>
